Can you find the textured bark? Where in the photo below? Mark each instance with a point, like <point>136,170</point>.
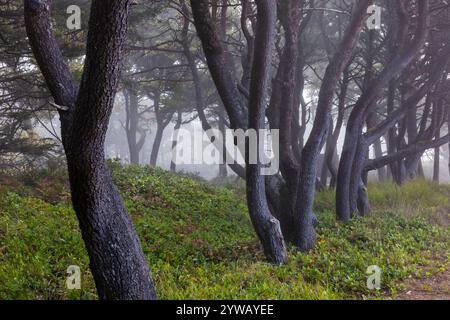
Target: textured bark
<point>60,81</point>
<point>234,105</point>
<point>116,259</point>
<point>284,108</point>
<point>218,64</point>
<point>267,227</point>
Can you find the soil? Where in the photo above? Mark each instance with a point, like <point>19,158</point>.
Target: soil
<point>436,287</point>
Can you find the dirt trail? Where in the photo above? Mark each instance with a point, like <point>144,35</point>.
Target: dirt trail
<point>436,287</point>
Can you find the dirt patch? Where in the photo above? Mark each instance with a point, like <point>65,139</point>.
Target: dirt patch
<point>436,287</point>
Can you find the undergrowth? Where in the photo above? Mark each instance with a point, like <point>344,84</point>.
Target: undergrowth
<point>200,244</point>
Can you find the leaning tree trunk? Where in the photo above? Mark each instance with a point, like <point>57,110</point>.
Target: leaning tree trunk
<point>333,73</point>
<point>117,262</point>
<point>345,203</point>
<point>284,116</point>
<point>156,144</point>
<point>267,227</point>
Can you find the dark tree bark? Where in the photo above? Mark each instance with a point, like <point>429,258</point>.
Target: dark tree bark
<point>224,76</point>
<point>267,227</point>
<point>218,65</point>
<point>284,112</point>
<point>116,259</point>
<point>221,72</point>
<point>235,104</point>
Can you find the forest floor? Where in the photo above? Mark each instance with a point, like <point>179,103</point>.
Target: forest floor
<point>200,244</point>
<point>436,287</point>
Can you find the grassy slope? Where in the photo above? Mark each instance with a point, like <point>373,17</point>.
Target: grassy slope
<point>200,244</point>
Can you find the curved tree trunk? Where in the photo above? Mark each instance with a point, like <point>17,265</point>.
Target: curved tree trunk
<point>267,227</point>
<point>347,176</point>
<point>116,259</point>
<point>305,199</point>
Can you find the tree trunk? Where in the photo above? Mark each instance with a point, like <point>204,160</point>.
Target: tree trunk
<point>284,101</point>
<point>173,165</point>
<point>117,262</point>
<point>163,118</point>
<point>378,152</point>
<point>156,144</point>
<point>363,199</point>
<point>132,125</point>
<point>345,203</point>
<point>316,139</point>
<point>436,162</point>
<point>359,199</point>
<point>223,167</point>
<point>267,227</point>
<point>344,208</point>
